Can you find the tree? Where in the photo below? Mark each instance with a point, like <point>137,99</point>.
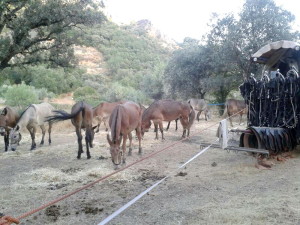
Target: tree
<point>33,31</point>
<point>187,73</point>
<point>260,22</point>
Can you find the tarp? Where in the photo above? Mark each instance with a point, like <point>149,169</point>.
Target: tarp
<point>271,53</point>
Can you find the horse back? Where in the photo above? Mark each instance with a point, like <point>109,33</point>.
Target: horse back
<point>198,104</point>
<point>40,112</point>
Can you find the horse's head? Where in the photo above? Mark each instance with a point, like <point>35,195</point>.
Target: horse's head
<point>14,137</point>
<point>90,135</point>
<point>115,152</point>
<point>145,126</point>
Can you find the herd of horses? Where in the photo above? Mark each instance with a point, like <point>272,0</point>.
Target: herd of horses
<point>123,118</point>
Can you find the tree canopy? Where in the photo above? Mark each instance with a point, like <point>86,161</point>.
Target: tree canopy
<point>34,31</point>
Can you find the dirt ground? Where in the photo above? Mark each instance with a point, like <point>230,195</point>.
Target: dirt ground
<point>216,188</point>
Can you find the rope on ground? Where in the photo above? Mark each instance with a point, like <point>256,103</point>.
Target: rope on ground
<point>7,220</point>
<point>127,205</point>
<point>111,174</point>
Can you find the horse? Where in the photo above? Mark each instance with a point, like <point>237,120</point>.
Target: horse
<point>124,119</point>
<point>103,110</point>
<point>200,105</point>
<point>82,118</point>
<point>35,115</point>
<point>233,106</point>
<point>8,119</point>
<point>168,110</point>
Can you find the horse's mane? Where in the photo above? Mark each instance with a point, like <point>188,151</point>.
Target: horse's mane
<point>148,109</point>
<point>21,115</point>
<point>116,124</point>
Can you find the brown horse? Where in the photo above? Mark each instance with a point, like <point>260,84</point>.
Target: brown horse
<point>168,110</point>
<point>103,110</point>
<point>233,106</point>
<point>124,119</point>
<point>8,119</point>
<point>81,117</point>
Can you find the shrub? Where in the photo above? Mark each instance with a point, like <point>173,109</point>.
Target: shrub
<point>87,94</point>
<point>21,96</point>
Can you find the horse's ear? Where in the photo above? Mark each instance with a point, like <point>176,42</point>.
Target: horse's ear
<point>17,128</point>
<point>108,139</point>
<point>4,112</point>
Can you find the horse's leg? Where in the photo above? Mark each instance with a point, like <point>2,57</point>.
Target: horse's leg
<point>241,115</point>
<point>104,121</point>
<point>43,134</point>
<point>49,132</point>
<point>124,147</point>
<point>169,126</point>
<point>198,115</point>
<point>176,121</point>
<point>87,142</point>
<point>79,140</point>
<point>161,130</point>
<point>156,131</point>
<point>6,141</point>
<point>32,131</point>
<point>130,143</point>
<point>184,123</point>
<point>139,134</point>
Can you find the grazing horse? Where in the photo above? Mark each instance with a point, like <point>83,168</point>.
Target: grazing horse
<point>35,115</point>
<point>103,110</point>
<point>233,106</point>
<point>168,110</point>
<point>81,117</point>
<point>124,119</point>
<point>200,105</point>
<point>8,119</point>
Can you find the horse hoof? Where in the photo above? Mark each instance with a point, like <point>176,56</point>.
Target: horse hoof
<point>88,157</point>
<point>78,157</point>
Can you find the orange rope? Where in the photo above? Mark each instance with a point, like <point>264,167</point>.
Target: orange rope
<point>109,175</point>
<point>7,220</point>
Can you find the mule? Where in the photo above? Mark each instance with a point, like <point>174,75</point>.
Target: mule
<point>8,119</point>
<point>124,119</point>
<point>35,115</point>
<point>200,105</point>
<point>233,106</point>
<point>168,110</point>
<point>81,117</point>
<point>103,111</point>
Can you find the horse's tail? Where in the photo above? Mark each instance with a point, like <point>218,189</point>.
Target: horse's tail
<point>116,124</point>
<point>61,115</point>
<point>192,116</point>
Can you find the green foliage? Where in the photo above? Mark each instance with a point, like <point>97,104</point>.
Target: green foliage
<point>34,31</point>
<point>119,92</point>
<point>21,95</point>
<point>88,95</point>
<point>129,58</point>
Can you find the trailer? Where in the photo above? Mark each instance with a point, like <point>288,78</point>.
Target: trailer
<point>273,99</point>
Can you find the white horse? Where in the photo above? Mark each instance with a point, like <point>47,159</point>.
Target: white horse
<point>35,115</point>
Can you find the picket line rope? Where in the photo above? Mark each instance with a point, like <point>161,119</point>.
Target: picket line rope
<point>111,174</point>
<point>127,205</point>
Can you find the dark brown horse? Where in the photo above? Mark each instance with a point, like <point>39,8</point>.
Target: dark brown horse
<point>124,119</point>
<point>81,117</point>
<point>168,110</point>
<point>103,110</point>
<point>8,119</point>
<point>233,106</point>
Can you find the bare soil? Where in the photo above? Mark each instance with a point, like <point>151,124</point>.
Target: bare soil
<point>216,188</point>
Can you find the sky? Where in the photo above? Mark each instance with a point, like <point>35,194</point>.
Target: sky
<point>178,19</point>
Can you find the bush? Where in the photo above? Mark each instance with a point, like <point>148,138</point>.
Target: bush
<point>21,95</point>
<point>87,94</point>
